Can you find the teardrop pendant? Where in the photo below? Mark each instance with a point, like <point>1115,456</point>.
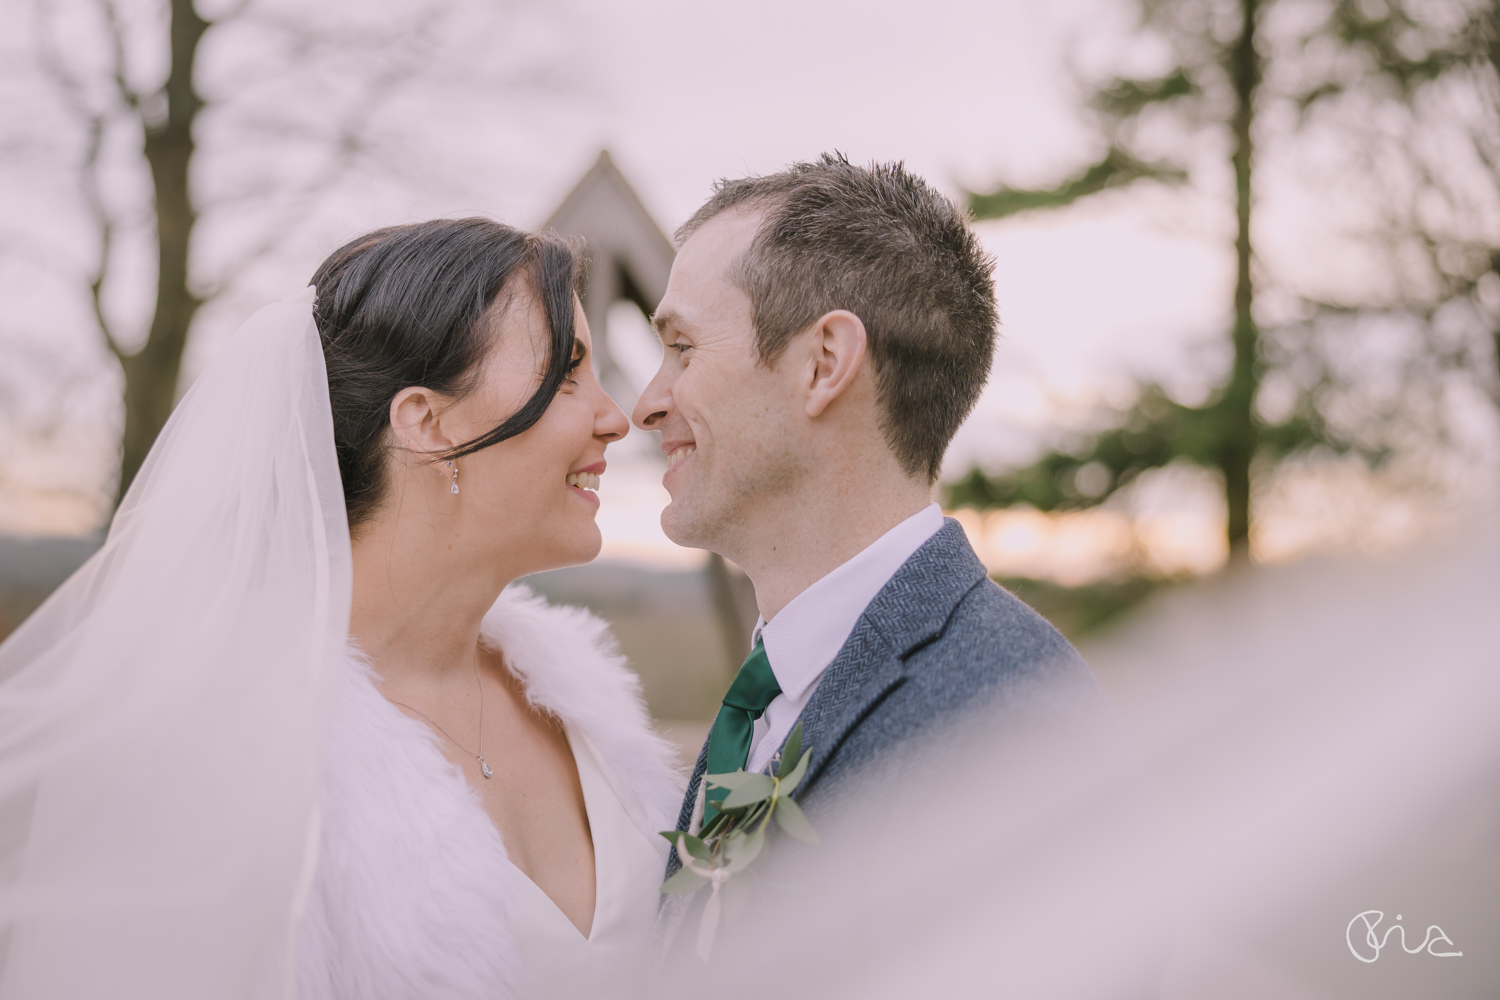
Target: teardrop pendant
<point>484,767</point>
<point>453,489</point>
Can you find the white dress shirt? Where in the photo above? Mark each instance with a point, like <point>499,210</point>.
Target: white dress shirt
<point>805,636</point>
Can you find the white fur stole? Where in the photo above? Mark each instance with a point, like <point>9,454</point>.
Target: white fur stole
<point>410,896</point>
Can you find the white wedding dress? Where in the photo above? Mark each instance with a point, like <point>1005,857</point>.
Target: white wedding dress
<point>612,961</point>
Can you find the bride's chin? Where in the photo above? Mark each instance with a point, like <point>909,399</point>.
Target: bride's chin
<point>577,546</point>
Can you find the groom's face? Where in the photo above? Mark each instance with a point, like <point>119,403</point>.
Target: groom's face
<point>728,425</point>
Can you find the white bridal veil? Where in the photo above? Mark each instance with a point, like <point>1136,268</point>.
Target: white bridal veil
<point>162,716</point>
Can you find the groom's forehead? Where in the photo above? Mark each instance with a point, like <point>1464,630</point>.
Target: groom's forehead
<point>717,245</point>
<point>703,272</point>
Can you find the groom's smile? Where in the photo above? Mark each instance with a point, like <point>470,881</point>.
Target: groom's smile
<point>677,453</point>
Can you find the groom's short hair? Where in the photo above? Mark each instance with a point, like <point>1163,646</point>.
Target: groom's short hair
<point>885,245</point>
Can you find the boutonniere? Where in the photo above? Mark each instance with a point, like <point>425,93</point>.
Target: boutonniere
<point>736,836</point>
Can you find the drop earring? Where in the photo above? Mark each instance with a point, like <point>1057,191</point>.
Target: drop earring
<point>454,488</point>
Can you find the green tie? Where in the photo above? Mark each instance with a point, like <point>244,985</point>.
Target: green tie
<point>729,742</point>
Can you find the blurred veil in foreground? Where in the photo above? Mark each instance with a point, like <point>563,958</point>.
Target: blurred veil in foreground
<point>1314,749</point>
<point>163,715</point>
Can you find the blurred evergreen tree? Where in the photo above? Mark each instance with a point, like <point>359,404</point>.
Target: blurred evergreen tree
<point>1325,60</point>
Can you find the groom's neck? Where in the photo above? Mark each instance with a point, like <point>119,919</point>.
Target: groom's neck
<point>812,532</point>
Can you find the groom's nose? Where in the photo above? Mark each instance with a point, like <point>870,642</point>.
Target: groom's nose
<point>654,404</point>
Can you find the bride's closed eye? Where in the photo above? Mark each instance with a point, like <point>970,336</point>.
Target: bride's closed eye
<point>579,353</point>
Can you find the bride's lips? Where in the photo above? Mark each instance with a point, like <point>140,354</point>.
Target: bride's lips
<point>582,482</point>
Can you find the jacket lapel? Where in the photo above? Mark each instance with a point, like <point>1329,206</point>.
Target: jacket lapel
<point>865,671</point>
<point>908,612</point>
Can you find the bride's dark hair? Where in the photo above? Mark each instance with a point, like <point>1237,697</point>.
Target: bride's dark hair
<point>405,306</point>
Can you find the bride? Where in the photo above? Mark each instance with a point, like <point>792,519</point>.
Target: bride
<point>292,731</point>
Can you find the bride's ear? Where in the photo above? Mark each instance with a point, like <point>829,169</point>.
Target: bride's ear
<point>416,423</point>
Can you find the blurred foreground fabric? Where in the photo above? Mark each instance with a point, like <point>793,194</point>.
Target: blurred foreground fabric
<point>1310,743</point>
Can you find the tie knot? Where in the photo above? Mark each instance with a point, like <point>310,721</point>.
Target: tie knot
<point>755,686</point>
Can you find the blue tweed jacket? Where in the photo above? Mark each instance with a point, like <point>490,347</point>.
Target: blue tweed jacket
<point>939,639</point>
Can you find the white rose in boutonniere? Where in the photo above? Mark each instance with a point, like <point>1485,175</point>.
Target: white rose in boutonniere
<point>736,835</point>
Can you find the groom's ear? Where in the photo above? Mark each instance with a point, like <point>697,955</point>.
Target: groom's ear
<point>416,421</point>
<point>836,345</point>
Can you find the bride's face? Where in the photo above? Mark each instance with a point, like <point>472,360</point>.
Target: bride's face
<point>527,503</point>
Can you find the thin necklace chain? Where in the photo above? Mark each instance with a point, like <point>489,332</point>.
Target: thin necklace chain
<point>483,766</point>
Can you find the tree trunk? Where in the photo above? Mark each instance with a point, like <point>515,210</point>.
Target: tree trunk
<point>1237,443</point>
<point>151,373</point>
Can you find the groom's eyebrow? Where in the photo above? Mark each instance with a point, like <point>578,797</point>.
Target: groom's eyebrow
<point>662,320</point>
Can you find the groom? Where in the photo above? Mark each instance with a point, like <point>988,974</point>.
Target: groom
<point>826,330</point>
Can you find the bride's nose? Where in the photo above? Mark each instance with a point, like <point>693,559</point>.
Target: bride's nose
<point>610,424</point>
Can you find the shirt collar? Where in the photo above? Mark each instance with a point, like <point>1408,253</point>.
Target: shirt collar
<point>805,636</point>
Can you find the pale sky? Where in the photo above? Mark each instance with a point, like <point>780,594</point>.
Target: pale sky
<point>966,93</point>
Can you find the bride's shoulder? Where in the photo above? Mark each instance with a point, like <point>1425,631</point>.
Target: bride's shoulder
<point>571,666</point>
<point>561,653</point>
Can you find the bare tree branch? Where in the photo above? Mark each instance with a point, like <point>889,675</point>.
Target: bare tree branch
<point>232,13</point>
<point>358,66</point>
<point>104,223</point>
<point>349,147</point>
<point>117,52</point>
<point>95,123</point>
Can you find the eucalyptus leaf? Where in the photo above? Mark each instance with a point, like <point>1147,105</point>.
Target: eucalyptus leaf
<point>739,851</point>
<point>751,814</point>
<point>791,781</point>
<point>750,792</point>
<point>735,834</point>
<point>695,845</point>
<point>730,779</point>
<point>791,819</point>
<point>714,826</point>
<point>790,751</point>
<point>684,881</point>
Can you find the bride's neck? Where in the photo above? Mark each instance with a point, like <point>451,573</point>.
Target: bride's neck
<point>418,601</point>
